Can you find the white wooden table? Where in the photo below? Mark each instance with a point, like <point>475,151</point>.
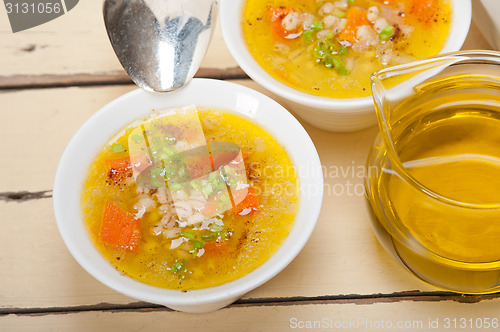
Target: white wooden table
<point>52,78</point>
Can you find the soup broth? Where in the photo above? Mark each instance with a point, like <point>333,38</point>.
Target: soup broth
<point>330,48</point>
<point>199,218</point>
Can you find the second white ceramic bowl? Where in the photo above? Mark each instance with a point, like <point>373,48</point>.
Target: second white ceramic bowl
<point>341,115</point>
<point>116,115</point>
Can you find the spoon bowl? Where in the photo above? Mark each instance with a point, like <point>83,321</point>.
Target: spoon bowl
<point>160,43</point>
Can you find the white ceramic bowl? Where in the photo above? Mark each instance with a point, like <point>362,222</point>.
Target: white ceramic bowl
<point>110,119</point>
<point>341,115</point>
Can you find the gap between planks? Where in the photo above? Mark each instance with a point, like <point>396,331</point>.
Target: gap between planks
<point>21,196</point>
<point>414,296</point>
<point>16,82</point>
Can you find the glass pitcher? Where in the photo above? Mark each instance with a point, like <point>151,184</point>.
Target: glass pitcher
<point>433,173</point>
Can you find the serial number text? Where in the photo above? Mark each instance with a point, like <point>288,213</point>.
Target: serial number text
<point>33,8</point>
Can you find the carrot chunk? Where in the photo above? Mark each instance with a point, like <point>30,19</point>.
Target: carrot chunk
<point>389,2</point>
<point>215,248</point>
<point>224,158</point>
<point>355,17</point>
<point>202,165</point>
<point>250,204</point>
<point>118,168</point>
<point>424,10</point>
<point>120,228</point>
<point>276,16</point>
<point>199,166</point>
<point>245,156</point>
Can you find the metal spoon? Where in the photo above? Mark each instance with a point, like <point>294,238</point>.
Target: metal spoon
<point>160,43</point>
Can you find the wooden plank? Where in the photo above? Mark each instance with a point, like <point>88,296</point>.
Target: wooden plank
<point>61,282</point>
<point>475,39</point>
<point>36,125</point>
<point>76,45</point>
<point>37,269</point>
<point>342,257</point>
<point>74,50</point>
<point>112,78</point>
<point>401,316</point>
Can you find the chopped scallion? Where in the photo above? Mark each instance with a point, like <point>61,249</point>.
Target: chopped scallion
<point>198,244</point>
<point>175,186</point>
<point>181,171</point>
<point>386,33</point>
<point>216,228</point>
<point>308,35</point>
<point>318,53</point>
<point>187,235</point>
<point>156,174</point>
<point>340,14</point>
<point>343,71</point>
<point>337,62</point>
<point>177,267</point>
<point>207,190</point>
<point>169,172</point>
<point>207,237</point>
<point>328,61</point>
<point>344,50</point>
<point>330,35</point>
<point>137,138</point>
<point>117,148</point>
<point>155,182</point>
<point>195,184</point>
<point>212,177</point>
<point>351,2</point>
<point>317,25</point>
<point>220,186</point>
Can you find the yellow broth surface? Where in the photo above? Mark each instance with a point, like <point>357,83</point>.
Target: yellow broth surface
<point>330,48</point>
<point>207,256</point>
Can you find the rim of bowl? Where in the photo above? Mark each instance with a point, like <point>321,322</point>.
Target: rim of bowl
<point>83,148</point>
<point>230,20</point>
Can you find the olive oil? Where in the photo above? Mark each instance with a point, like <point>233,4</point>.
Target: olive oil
<point>437,207</point>
<point>458,158</point>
